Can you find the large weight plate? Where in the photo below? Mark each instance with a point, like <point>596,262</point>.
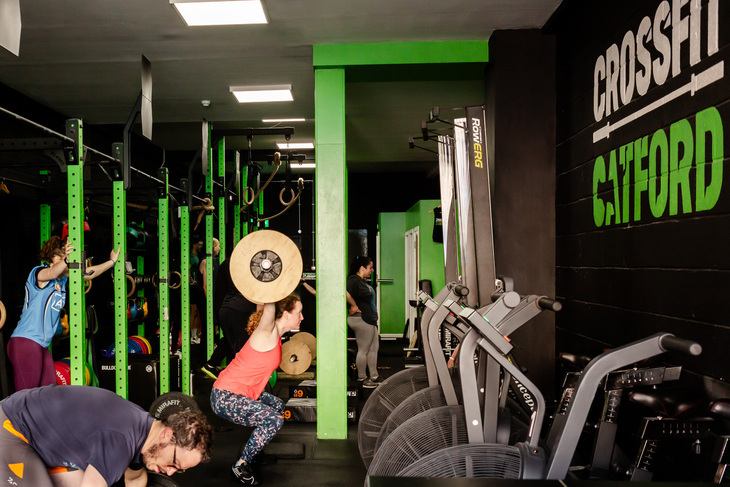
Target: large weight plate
<point>266,266</point>
<point>308,339</point>
<point>171,403</point>
<point>295,357</point>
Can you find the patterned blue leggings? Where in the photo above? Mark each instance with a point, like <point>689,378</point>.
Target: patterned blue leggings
<point>265,414</point>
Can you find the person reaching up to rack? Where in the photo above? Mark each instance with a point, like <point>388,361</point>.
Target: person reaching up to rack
<point>40,320</point>
<point>238,395</point>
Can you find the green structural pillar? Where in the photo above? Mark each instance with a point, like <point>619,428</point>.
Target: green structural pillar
<point>119,237</point>
<point>164,278</point>
<point>185,286</point>
<point>77,259</point>
<point>330,63</point>
<point>331,253</point>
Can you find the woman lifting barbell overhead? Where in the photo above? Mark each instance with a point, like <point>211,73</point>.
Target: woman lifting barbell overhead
<point>40,320</point>
<point>238,395</point>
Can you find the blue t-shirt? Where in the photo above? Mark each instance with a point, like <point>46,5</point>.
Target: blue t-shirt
<point>41,314</point>
<point>78,426</point>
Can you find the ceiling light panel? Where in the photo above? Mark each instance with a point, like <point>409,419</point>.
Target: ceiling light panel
<point>282,120</point>
<point>234,12</point>
<point>295,145</point>
<point>254,94</point>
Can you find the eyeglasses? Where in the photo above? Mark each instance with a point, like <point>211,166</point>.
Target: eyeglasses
<point>174,459</point>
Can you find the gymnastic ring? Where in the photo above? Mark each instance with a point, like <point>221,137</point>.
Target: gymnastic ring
<point>179,282</point>
<point>134,286</point>
<point>281,197</point>
<point>3,315</point>
<point>154,279</point>
<point>246,199</point>
<point>87,286</point>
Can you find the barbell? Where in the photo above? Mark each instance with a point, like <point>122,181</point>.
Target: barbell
<point>266,266</point>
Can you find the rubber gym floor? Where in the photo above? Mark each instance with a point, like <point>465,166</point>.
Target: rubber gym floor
<point>325,462</point>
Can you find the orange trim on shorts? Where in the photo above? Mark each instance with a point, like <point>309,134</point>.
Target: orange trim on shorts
<point>60,469</point>
<point>9,426</point>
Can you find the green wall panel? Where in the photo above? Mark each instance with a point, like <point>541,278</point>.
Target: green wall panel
<point>392,227</point>
<point>401,53</point>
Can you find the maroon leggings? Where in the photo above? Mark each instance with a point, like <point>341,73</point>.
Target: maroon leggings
<point>33,365</point>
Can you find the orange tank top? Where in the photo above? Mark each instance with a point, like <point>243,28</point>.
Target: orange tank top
<point>249,371</point>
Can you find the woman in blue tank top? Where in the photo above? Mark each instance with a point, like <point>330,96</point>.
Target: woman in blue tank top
<point>40,320</point>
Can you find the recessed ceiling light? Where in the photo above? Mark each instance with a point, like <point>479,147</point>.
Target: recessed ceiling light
<point>280,120</point>
<point>295,145</point>
<point>205,12</point>
<point>253,94</point>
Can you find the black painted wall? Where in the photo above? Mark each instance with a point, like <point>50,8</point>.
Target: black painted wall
<point>520,111</point>
<point>642,233</point>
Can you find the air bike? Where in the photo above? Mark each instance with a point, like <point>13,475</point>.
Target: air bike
<point>529,459</point>
<point>403,384</point>
<point>428,420</point>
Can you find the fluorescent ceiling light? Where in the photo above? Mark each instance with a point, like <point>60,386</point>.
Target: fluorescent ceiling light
<point>254,94</point>
<point>295,145</point>
<point>306,165</point>
<point>280,120</point>
<point>202,12</point>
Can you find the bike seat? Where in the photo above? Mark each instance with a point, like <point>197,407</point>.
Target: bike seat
<point>672,403</point>
<point>573,360</point>
<point>720,409</point>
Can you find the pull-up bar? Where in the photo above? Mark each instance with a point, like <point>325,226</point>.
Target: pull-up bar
<point>56,134</point>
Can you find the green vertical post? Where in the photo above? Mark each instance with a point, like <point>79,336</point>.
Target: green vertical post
<point>221,207</point>
<point>261,211</point>
<point>185,285</point>
<point>45,217</point>
<point>119,237</point>
<point>45,208</point>
<point>237,202</point>
<point>209,224</point>
<point>244,184</point>
<point>76,261</point>
<point>331,225</point>
<point>164,278</point>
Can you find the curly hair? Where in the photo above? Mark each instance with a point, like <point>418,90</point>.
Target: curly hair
<point>286,304</point>
<point>192,431</point>
<point>51,247</point>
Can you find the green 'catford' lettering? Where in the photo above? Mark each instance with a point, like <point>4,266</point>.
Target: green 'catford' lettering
<point>680,135</point>
<point>599,176</point>
<point>662,172</point>
<point>709,123</point>
<point>613,176</point>
<point>658,152</point>
<point>641,150</point>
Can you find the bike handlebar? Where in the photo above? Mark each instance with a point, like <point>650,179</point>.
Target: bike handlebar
<point>672,343</point>
<point>543,302</point>
<point>549,304</point>
<point>459,289</point>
